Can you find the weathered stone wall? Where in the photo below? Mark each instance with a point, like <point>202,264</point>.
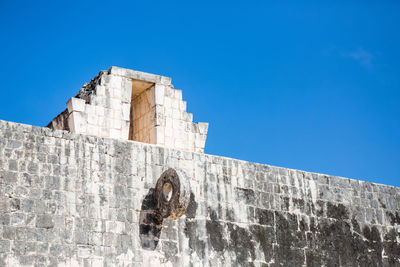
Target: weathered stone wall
<point>68,199</point>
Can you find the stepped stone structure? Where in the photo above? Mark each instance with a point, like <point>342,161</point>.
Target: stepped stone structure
<point>132,105</point>
<point>120,178</point>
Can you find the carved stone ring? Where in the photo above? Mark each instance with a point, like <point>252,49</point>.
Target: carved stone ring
<point>172,194</point>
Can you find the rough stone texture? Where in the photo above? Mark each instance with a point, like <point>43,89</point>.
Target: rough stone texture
<point>76,200</point>
<point>133,105</point>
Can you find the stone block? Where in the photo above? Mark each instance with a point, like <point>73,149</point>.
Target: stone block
<point>4,246</point>
<point>76,104</point>
<point>126,91</point>
<point>116,134</point>
<point>126,111</point>
<point>203,127</point>
<point>77,122</point>
<point>159,91</point>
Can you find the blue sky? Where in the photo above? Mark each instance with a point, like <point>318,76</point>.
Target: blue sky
<point>298,84</point>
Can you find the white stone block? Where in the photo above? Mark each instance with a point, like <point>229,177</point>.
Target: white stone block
<point>168,132</point>
<point>168,123</point>
<point>203,127</point>
<point>115,133</point>
<point>92,118</point>
<point>167,102</point>
<point>126,90</point>
<point>175,103</point>
<point>125,130</point>
<point>90,109</point>
<point>126,111</point>
<point>117,124</point>
<point>104,132</point>
<point>100,90</point>
<point>160,135</point>
<point>118,71</point>
<point>169,141</point>
<point>76,104</point>
<point>182,105</point>
<point>115,82</point>
<point>117,93</point>
<point>159,92</point>
<point>108,113</point>
<point>187,116</point>
<point>176,114</point>
<point>92,130</point>
<point>116,104</point>
<point>165,80</point>
<point>99,110</point>
<point>109,123</point>
<point>179,143</point>
<point>77,122</point>
<point>168,112</point>
<point>178,94</point>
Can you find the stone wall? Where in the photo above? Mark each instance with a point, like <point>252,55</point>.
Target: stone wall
<point>77,200</point>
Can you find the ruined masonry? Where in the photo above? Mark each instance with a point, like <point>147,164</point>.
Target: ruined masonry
<point>132,105</point>
<point>120,178</point>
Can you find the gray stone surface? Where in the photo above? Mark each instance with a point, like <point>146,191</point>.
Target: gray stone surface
<point>75,200</point>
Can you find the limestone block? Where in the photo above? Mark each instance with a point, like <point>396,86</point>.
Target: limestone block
<point>117,93</point>
<point>90,109</point>
<point>168,132</point>
<point>178,125</point>
<point>168,122</point>
<point>108,113</point>
<point>168,112</point>
<point>108,92</point>
<point>100,90</point>
<point>117,124</point>
<point>109,80</point>
<point>99,110</point>
<point>203,127</point>
<point>178,94</point>
<point>159,91</point>
<point>126,111</point>
<point>175,103</point>
<point>165,80</point>
<point>119,71</point>
<point>115,133</point>
<point>179,143</point>
<point>182,105</point>
<point>115,104</point>
<point>169,141</point>
<point>109,122</point>
<point>158,118</point>
<point>92,130</point>
<point>187,116</point>
<point>125,130</point>
<point>77,122</point>
<point>126,91</point>
<point>76,104</point>
<point>167,102</point>
<point>138,75</point>
<point>104,132</point>
<point>92,118</point>
<point>176,114</point>
<point>160,134</point>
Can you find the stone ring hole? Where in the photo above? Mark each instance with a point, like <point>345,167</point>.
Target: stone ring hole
<point>167,192</point>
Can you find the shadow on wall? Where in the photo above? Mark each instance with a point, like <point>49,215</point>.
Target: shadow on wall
<point>150,222</point>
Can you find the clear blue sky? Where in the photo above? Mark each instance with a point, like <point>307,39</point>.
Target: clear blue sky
<point>305,85</point>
